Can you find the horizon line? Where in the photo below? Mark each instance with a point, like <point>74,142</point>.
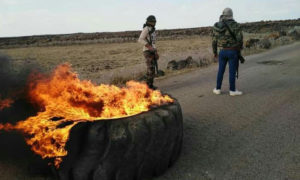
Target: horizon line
<point>73,33</point>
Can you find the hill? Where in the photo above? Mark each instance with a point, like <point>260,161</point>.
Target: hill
<point>131,36</point>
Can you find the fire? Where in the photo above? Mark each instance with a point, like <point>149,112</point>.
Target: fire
<point>5,103</point>
<point>65,100</point>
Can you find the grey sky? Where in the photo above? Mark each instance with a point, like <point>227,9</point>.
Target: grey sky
<point>35,17</point>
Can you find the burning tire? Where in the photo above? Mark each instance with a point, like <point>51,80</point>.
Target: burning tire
<point>76,129</point>
<point>132,148</point>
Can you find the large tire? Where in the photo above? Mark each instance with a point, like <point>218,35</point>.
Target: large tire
<point>131,148</point>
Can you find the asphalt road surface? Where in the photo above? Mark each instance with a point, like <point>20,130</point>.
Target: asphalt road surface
<point>253,136</point>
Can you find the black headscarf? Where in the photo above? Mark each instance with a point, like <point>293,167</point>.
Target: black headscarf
<point>149,25</point>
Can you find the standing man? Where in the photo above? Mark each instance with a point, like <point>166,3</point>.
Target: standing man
<point>227,35</point>
<point>148,38</point>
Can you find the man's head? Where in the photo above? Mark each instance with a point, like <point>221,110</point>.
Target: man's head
<point>151,20</point>
<point>227,13</point>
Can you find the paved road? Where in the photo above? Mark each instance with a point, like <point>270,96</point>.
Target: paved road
<point>254,136</point>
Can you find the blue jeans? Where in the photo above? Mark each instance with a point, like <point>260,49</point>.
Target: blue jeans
<point>230,56</point>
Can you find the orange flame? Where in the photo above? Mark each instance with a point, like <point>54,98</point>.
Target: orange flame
<point>65,100</point>
<point>5,103</point>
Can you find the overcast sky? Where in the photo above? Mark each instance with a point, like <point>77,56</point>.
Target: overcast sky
<point>36,17</point>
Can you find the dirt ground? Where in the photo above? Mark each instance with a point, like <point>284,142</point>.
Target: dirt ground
<point>92,61</point>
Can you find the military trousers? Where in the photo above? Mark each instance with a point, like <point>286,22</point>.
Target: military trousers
<point>230,56</point>
<point>150,58</point>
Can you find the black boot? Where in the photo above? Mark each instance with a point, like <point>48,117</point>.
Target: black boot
<point>152,87</point>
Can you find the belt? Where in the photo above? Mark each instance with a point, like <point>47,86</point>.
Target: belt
<point>231,48</point>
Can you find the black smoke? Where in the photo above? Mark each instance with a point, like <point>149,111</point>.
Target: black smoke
<point>13,82</point>
<point>14,152</point>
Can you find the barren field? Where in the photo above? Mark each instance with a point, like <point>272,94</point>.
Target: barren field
<point>93,60</point>
<point>105,62</point>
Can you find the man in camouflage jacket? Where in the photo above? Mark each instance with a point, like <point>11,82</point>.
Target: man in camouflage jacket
<point>227,35</point>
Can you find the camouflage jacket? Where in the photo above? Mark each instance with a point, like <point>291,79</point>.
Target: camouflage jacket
<point>221,37</point>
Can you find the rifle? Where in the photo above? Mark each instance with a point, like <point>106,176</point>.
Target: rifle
<point>154,54</point>
<point>155,63</point>
<point>240,57</point>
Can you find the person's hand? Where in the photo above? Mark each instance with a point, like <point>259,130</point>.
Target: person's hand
<point>150,48</point>
<point>242,60</point>
<point>156,55</point>
<point>216,56</point>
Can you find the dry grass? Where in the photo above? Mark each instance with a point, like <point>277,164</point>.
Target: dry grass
<point>114,62</point>
<point>94,60</point>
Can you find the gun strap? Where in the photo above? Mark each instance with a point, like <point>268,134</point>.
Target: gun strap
<point>230,31</point>
<point>237,70</point>
<point>234,37</point>
<point>149,33</point>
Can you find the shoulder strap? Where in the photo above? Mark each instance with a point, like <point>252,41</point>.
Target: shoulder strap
<point>230,31</point>
<point>149,33</point>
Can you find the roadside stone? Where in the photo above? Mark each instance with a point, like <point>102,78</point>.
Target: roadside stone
<point>252,42</point>
<point>172,65</point>
<point>204,62</point>
<point>160,73</point>
<point>274,36</point>
<point>191,63</point>
<point>265,44</point>
<point>283,40</point>
<point>282,33</point>
<point>295,32</point>
<point>181,64</point>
